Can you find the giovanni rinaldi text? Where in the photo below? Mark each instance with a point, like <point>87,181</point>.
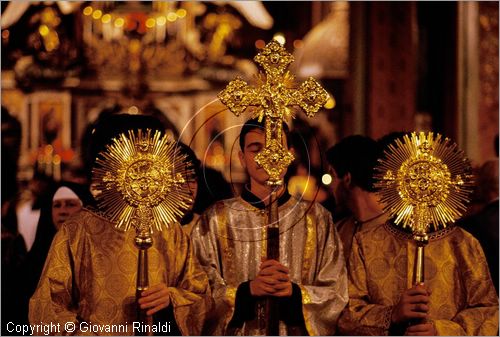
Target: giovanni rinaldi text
<point>70,327</point>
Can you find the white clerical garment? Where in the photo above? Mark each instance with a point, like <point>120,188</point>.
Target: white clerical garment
<point>230,242</point>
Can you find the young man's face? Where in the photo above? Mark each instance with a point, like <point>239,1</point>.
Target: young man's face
<point>254,143</point>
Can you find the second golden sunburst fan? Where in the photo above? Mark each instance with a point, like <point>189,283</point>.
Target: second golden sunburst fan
<point>141,182</point>
<point>424,181</point>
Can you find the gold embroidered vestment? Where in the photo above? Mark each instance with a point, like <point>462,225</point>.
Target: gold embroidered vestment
<point>462,301</point>
<point>90,275</point>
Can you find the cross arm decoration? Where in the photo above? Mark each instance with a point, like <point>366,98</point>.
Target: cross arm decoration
<point>273,97</point>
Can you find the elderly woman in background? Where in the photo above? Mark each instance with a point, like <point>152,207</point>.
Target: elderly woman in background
<point>66,199</point>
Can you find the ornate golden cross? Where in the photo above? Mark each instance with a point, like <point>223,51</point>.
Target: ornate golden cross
<point>273,98</point>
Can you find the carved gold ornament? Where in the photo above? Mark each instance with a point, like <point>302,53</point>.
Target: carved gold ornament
<point>424,180</point>
<point>273,97</point>
<point>141,181</point>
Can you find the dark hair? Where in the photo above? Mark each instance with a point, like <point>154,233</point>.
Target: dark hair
<point>212,186</point>
<point>357,155</point>
<point>253,124</point>
<point>183,149</point>
<point>389,139</point>
<point>110,126</point>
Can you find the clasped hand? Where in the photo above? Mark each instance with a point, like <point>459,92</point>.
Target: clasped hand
<point>272,280</point>
<point>414,305</point>
<point>155,298</point>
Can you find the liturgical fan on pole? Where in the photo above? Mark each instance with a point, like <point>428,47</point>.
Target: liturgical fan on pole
<point>272,101</point>
<point>140,181</point>
<point>425,182</point>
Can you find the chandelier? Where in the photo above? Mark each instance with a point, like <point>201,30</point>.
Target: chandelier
<point>136,44</point>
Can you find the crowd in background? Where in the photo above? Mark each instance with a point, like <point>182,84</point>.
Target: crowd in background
<point>31,217</point>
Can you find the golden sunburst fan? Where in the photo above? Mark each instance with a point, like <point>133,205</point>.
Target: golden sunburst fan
<point>424,180</point>
<point>140,180</point>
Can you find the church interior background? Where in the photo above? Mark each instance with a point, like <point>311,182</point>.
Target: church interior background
<point>389,66</point>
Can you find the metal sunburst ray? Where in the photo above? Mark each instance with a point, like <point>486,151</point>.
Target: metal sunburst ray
<point>141,181</point>
<point>424,180</point>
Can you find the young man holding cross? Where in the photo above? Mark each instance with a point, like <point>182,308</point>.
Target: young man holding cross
<point>309,281</point>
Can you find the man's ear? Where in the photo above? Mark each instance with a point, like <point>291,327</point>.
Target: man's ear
<point>242,160</point>
<point>347,179</point>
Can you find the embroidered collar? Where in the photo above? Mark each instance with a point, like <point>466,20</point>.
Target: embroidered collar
<point>405,233</point>
<point>254,200</point>
<point>359,223</point>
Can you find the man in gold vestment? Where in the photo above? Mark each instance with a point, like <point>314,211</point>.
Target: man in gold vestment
<point>458,296</point>
<point>309,280</point>
<point>89,278</point>
<point>351,164</point>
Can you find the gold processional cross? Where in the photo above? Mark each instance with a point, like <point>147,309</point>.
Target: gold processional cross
<point>273,99</point>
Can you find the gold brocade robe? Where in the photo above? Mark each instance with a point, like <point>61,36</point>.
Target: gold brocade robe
<point>188,228</point>
<point>90,276</point>
<point>230,242</point>
<point>348,227</point>
<point>462,301</point>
